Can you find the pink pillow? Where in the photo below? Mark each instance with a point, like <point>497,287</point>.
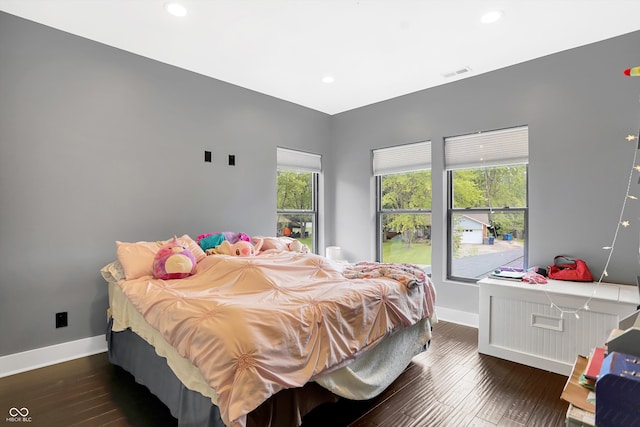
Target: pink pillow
<point>137,258</point>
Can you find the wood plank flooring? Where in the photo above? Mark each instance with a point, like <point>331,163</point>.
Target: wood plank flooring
<point>449,385</point>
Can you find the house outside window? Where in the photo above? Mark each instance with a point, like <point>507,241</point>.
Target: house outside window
<point>403,196</point>
<point>297,195</point>
<point>487,212</point>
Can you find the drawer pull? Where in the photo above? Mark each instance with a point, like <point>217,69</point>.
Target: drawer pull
<point>547,322</point>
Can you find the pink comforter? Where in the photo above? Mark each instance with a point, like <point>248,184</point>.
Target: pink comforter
<point>254,326</point>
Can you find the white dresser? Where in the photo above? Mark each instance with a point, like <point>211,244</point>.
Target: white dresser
<point>518,322</point>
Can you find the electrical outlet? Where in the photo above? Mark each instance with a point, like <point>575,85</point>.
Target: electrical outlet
<point>232,160</point>
<point>207,156</point>
<point>62,320</point>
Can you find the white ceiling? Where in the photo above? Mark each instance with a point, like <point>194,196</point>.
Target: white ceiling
<point>375,49</point>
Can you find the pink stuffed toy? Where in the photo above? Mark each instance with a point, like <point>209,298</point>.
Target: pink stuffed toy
<point>173,261</point>
<point>240,248</point>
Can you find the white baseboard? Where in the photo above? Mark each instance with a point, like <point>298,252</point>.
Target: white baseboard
<point>46,356</point>
<point>460,317</point>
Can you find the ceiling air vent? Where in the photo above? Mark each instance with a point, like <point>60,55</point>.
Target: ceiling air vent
<point>457,72</point>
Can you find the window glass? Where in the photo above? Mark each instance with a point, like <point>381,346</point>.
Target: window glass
<point>296,206</point>
<point>295,190</point>
<point>406,238</point>
<point>404,217</point>
<point>490,187</point>
<point>483,241</point>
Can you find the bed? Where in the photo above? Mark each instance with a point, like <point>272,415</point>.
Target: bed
<point>262,340</point>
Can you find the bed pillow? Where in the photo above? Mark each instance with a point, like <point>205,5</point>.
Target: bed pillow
<point>195,249</point>
<point>113,272</point>
<point>277,243</point>
<point>137,258</point>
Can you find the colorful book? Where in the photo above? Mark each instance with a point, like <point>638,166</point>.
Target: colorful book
<point>595,362</point>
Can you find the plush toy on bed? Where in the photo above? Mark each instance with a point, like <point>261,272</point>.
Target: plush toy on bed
<point>173,261</point>
<point>213,240</point>
<point>298,246</point>
<point>240,248</point>
<point>283,243</point>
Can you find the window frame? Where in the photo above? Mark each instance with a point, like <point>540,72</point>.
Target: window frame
<point>302,162</point>
<point>405,158</point>
<point>315,177</point>
<point>451,212</point>
<point>380,212</point>
<point>522,153</point>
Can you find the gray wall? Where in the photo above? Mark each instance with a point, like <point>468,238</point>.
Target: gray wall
<point>579,108</point>
<point>98,145</point>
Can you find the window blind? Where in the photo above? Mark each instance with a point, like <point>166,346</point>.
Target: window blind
<point>402,158</point>
<point>485,149</point>
<point>298,160</point>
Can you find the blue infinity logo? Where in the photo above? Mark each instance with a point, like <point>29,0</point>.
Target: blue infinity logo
<point>14,412</point>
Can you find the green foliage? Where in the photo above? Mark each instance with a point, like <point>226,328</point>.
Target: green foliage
<point>457,237</point>
<point>508,223</point>
<point>295,193</point>
<point>407,191</point>
<point>483,188</point>
<point>295,190</point>
<point>497,187</point>
<point>490,187</point>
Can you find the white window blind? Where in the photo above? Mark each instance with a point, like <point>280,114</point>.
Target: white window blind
<point>485,149</point>
<point>402,158</point>
<point>299,160</point>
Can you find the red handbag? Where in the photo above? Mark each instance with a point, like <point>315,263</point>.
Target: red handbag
<point>567,268</point>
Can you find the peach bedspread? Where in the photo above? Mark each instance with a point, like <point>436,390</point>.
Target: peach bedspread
<point>254,326</point>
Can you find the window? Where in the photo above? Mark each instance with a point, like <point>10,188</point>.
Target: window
<point>297,204</point>
<point>403,189</point>
<point>487,202</point>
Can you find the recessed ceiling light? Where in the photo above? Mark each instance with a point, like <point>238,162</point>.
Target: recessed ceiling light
<point>491,17</point>
<point>328,79</point>
<point>176,9</point>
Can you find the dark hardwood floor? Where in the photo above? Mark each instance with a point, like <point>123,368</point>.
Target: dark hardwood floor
<point>448,385</point>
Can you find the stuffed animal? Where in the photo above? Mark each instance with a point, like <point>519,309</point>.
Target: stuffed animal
<point>213,240</point>
<point>240,248</point>
<point>298,246</point>
<point>283,243</point>
<point>173,261</point>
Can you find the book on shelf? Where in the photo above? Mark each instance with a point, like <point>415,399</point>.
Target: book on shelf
<point>595,362</point>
